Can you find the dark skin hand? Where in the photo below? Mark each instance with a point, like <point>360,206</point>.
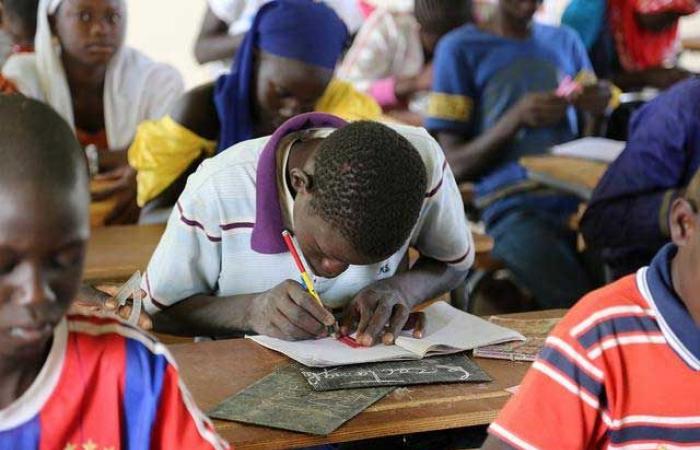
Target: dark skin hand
<point>100,299</point>
<point>213,42</point>
<point>288,311</point>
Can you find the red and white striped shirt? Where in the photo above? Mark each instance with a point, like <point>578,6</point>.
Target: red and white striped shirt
<point>619,372</point>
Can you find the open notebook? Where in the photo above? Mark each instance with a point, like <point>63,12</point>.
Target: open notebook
<point>448,330</point>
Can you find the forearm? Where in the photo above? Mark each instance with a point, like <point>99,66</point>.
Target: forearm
<point>469,160</point>
<point>216,48</point>
<point>426,280</point>
<point>206,315</point>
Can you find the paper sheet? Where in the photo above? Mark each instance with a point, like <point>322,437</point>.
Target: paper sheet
<point>448,330</point>
<point>592,148</point>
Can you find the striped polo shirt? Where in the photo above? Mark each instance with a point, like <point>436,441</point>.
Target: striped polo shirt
<point>224,236</point>
<point>619,372</point>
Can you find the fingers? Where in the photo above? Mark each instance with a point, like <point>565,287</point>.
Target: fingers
<point>350,317</point>
<point>396,324</point>
<point>288,329</point>
<point>300,318</point>
<point>301,297</point>
<point>378,320</point>
<point>419,327</point>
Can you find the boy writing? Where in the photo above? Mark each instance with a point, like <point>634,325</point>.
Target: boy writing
<point>354,195</point>
<point>70,382</point>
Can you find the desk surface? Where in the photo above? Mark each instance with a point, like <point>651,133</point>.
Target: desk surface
<point>214,371</point>
<point>574,175</point>
<point>114,253</point>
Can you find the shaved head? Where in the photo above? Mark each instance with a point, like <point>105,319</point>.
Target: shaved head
<point>38,150</point>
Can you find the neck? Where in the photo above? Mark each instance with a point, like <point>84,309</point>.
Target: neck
<point>508,27</point>
<point>684,285</point>
<point>17,376</point>
<point>83,77</point>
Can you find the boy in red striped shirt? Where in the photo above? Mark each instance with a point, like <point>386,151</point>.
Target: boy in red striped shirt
<point>87,383</point>
<point>622,368</point>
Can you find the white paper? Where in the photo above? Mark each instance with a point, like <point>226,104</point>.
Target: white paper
<point>448,330</point>
<point>592,148</point>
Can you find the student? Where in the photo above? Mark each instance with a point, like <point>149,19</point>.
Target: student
<point>70,382</point>
<point>18,19</point>
<point>627,217</point>
<point>392,54</point>
<point>355,195</point>
<point>493,102</point>
<point>284,68</point>
<point>100,87</point>
<point>621,369</point>
<point>635,43</point>
<point>226,23</point>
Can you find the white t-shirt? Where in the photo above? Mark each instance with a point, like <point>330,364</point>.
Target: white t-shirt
<point>221,239</point>
<point>239,14</point>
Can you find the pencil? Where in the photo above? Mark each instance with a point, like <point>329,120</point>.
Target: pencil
<point>306,279</point>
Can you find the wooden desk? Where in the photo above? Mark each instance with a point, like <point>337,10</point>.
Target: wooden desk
<point>114,253</point>
<point>573,175</point>
<point>216,370</point>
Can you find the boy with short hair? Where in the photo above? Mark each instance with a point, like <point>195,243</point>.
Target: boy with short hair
<point>355,195</point>
<point>70,382</point>
<point>621,369</point>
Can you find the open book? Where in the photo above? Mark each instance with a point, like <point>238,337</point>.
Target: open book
<point>448,330</point>
<point>535,332</point>
<point>591,148</point>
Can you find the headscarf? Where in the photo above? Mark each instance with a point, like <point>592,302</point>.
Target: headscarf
<point>302,30</point>
<point>136,88</point>
<point>639,48</point>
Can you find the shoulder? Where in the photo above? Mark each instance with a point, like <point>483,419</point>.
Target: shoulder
<point>562,36</point>
<point>141,65</point>
<point>616,300</point>
<point>234,168</point>
<point>105,335</point>
<point>22,70</point>
<point>428,148</point>
<point>463,42</point>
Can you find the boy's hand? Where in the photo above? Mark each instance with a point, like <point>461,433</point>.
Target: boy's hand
<point>407,87</point>
<point>101,300</point>
<point>122,188</point>
<point>594,99</point>
<point>381,312</point>
<point>541,109</point>
<point>288,311</point>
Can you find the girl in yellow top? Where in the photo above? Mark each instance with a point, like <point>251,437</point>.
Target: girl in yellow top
<point>284,68</point>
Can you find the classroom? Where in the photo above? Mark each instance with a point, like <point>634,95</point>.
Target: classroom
<point>349,224</point>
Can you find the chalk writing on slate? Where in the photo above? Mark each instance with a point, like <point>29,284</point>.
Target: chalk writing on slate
<point>285,400</point>
<point>441,369</point>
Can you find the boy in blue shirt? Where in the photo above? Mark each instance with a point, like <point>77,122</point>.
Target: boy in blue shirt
<point>495,100</point>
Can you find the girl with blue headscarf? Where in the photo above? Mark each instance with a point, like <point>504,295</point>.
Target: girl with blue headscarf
<point>284,68</point>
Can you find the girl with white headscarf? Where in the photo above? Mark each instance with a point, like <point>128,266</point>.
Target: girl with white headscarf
<point>100,87</point>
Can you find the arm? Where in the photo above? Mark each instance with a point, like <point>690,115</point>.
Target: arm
<point>471,158</point>
<point>213,42</point>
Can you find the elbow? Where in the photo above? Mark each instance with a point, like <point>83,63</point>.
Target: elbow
<point>455,276</point>
<point>201,55</point>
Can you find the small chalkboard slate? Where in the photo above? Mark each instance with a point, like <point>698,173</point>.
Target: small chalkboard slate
<point>440,369</point>
<point>285,400</point>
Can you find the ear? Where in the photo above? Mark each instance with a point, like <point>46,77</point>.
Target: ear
<point>302,182</point>
<point>682,222</point>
